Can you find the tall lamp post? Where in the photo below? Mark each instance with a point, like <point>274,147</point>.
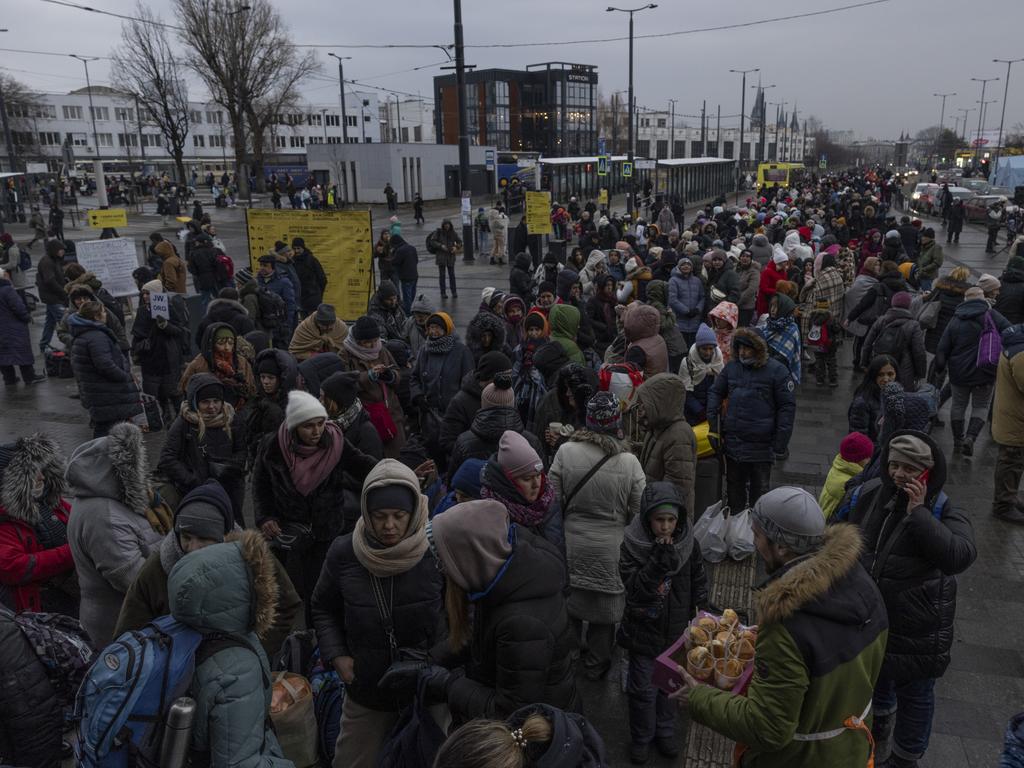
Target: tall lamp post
<point>977,144</point>
<point>672,129</point>
<point>631,187</point>
<point>460,86</point>
<point>942,119</point>
<point>743,109</point>
<point>97,163</point>
<point>341,83</point>
<point>1006,92</point>
<point>966,111</point>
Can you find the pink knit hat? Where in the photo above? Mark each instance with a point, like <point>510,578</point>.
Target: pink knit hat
<point>498,393</point>
<point>856,447</point>
<point>516,456</point>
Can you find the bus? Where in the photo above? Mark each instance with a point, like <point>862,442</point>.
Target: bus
<point>783,174</point>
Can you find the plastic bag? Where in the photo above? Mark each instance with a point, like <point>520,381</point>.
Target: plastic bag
<point>291,711</point>
<point>710,531</point>
<point>739,536</point>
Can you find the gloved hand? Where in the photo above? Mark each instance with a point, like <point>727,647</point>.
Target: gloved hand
<point>435,683</point>
<point>779,456</point>
<point>715,441</point>
<point>401,676</point>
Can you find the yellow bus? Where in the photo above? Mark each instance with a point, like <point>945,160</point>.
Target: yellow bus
<point>783,174</point>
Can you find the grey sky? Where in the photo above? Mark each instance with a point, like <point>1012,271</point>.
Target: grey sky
<point>870,69</point>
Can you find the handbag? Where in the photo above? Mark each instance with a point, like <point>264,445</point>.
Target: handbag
<point>416,737</point>
<point>291,712</point>
<point>380,417</point>
<point>150,419</point>
<point>927,312</point>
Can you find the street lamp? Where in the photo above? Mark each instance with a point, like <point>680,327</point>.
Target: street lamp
<point>743,109</point>
<point>341,82</point>
<point>672,129</point>
<point>984,82</point>
<point>966,111</point>
<point>97,163</point>
<point>1006,92</point>
<point>942,120</point>
<point>631,187</point>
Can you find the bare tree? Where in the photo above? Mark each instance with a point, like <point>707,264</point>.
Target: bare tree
<point>262,120</point>
<point>20,105</point>
<point>247,61</point>
<point>145,67</point>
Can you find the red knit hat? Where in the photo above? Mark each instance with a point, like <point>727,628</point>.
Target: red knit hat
<point>856,447</point>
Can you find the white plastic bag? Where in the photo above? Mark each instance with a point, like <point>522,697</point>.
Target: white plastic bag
<point>710,532</point>
<point>739,536</point>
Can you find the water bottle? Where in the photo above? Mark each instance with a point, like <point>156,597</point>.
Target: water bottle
<point>178,733</point>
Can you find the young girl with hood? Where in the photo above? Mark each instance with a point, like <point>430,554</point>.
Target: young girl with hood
<point>513,309</point>
<point>724,319</point>
<point>527,380</point>
<point>698,371</point>
<point>277,375</point>
<point>219,355</point>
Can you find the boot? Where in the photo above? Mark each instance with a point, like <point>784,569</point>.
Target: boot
<point>973,430</point>
<point>881,731</point>
<point>958,434</point>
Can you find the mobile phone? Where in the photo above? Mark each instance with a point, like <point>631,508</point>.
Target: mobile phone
<point>923,477</point>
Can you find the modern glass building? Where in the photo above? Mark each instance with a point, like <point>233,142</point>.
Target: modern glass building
<point>549,108</point>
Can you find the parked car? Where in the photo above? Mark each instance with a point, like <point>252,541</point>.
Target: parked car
<point>977,186</point>
<point>976,209</point>
<point>924,197</point>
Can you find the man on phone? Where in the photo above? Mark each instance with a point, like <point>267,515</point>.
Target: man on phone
<point>915,542</point>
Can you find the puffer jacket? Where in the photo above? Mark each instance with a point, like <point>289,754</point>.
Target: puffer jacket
<point>958,347</point>
<point>240,386</point>
<point>669,451</point>
<point>520,279</point>
<point>103,373</point>
<point>914,555</point>
<point>675,344</point>
<point>496,484</point>
<point>437,376</point>
<point>232,688</point>
<point>347,617</point>
<point>50,280</point>
<point>26,566</point>
<point>834,489</point>
<point>266,412</point>
<point>820,644</point>
<point>1010,303</point>
<point>762,407</point>
<point>311,278</point>
<point>877,299</point>
<point>597,515</point>
<point>686,299</point>
<point>522,643</point>
<point>458,416</point>
<point>911,358</point>
<point>950,295</point>
<point>109,534</point>
<point>159,350</point>
<point>315,369</point>
<point>31,716</point>
<point>372,393</point>
<point>642,325</point>
<point>860,322</point>
<point>750,281</point>
<point>481,439</point>
<point>665,584</point>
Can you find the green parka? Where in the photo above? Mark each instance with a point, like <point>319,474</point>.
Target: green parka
<point>820,647</point>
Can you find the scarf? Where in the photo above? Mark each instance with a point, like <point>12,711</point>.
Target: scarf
<point>224,364</point>
<point>310,465</point>
<point>694,370</point>
<point>783,337</point>
<point>221,421</point>
<point>362,353</point>
<point>527,515</point>
<point>527,350</point>
<point>441,345</point>
<point>382,561</point>
<point>348,417</point>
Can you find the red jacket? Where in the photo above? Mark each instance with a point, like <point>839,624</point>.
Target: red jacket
<point>770,275</point>
<point>24,565</point>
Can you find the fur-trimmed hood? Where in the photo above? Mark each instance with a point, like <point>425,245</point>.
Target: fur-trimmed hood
<point>751,338</point>
<point>804,582</point>
<point>112,467</point>
<point>20,462</point>
<point>608,444</point>
<point>485,321</point>
<point>230,587</point>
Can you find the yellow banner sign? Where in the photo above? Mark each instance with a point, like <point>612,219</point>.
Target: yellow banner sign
<point>602,196</point>
<point>110,217</point>
<point>538,213</point>
<point>342,242</point>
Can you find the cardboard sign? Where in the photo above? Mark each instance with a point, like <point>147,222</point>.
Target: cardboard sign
<point>160,305</point>
<point>113,262</point>
<point>111,217</point>
<point>538,213</point>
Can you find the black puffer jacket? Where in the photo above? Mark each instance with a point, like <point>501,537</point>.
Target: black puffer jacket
<point>481,439</point>
<point>458,416</point>
<point>664,583</point>
<point>157,350</point>
<point>30,714</point>
<point>311,278</point>
<point>913,556</point>
<point>224,311</point>
<point>909,353</point>
<point>103,373</point>
<point>958,347</point>
<point>315,369</point>
<point>879,297</point>
<point>520,279</point>
<point>522,644</point>
<point>202,263</point>
<point>1010,303</point>
<point>266,412</point>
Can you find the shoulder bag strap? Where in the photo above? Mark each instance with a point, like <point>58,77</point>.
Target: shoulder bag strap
<point>384,609</point>
<point>583,482</point>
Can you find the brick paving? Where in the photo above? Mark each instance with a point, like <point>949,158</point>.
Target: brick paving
<point>984,686</point>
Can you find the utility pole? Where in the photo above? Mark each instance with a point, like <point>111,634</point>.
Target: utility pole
<point>703,129</point>
<point>398,115</point>
<point>963,127</point>
<point>672,129</point>
<point>341,83</point>
<point>97,163</point>
<point>615,122</point>
<point>460,85</point>
<point>977,144</point>
<point>942,121</point>
<point>743,109</point>
<point>1006,92</point>
<point>718,132</point>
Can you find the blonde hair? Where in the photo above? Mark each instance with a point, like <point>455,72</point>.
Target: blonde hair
<point>963,274</point>
<point>493,744</point>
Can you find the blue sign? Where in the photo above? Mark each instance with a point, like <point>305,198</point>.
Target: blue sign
<point>602,165</point>
<point>601,147</point>
<point>627,170</point>
<point>489,159</point>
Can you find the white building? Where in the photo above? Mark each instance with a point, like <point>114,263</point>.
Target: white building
<point>123,142</point>
<point>406,121</point>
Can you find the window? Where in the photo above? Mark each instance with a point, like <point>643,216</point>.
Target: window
<point>129,140</point>
<point>214,118</point>
<point>44,111</point>
<point>21,110</point>
<point>712,149</point>
<point>77,139</point>
<point>198,140</point>
<point>72,113</point>
<point>316,139</point>
<point>124,113</point>
<point>152,140</point>
<point>49,139</point>
<point>279,141</point>
<point>333,120</point>
<point>216,141</point>
<point>729,147</point>
<point>99,113</point>
<point>643,147</point>
<point>662,149</point>
<point>105,139</point>
<point>314,120</point>
<point>195,117</point>
<point>680,149</point>
<point>297,141</point>
<point>366,118</point>
<point>23,138</point>
<point>334,139</point>
<point>405,135</point>
<point>662,122</point>
<point>417,133</point>
<point>352,121</point>
<point>695,149</point>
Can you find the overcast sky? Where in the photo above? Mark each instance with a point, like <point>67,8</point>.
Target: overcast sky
<point>871,69</point>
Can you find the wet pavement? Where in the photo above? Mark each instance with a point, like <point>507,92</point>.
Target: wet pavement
<point>984,686</point>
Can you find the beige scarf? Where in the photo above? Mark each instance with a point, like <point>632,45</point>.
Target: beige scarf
<point>391,561</point>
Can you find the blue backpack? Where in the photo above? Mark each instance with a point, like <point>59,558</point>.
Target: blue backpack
<point>123,702</point>
<point>843,513</point>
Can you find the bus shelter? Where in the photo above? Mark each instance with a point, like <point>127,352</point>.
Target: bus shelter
<point>696,178</point>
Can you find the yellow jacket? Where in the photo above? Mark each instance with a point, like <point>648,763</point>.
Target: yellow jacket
<point>834,489</point>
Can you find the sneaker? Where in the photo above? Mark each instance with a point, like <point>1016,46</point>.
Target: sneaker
<point>967,447</point>
<point>639,754</point>
<point>666,747</point>
<point>1014,516</point>
<point>36,378</point>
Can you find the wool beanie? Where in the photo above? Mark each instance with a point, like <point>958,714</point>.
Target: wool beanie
<point>204,386</point>
<point>901,300</point>
<point>153,286</point>
<point>856,447</point>
<point>490,364</point>
<point>705,336</point>
<point>911,450</point>
<point>302,407</point>
<point>421,306</point>
<point>691,248</point>
<point>342,388</point>
<point>205,513</point>
<point>472,542</point>
<point>298,242</point>
<point>395,496</point>
<point>604,415</point>
<point>535,320</point>
<point>974,292</point>
<point>467,477</point>
<point>325,315</point>
<point>516,456</point>
<point>387,290</point>
<point>790,516</point>
<point>498,394</point>
<point>989,283</point>
<point>365,329</point>
<point>225,332</point>
<point>442,319</point>
<point>268,364</point>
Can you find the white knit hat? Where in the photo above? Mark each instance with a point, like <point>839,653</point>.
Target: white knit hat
<point>302,407</point>
<point>153,286</point>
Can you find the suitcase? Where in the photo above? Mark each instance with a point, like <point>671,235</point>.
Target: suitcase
<point>57,364</point>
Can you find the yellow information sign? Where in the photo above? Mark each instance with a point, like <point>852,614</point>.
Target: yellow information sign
<point>602,196</point>
<point>109,217</point>
<point>538,213</point>
<point>342,242</point>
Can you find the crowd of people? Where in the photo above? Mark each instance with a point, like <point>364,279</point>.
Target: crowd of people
<point>471,521</point>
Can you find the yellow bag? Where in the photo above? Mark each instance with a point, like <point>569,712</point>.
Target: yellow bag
<point>704,448</point>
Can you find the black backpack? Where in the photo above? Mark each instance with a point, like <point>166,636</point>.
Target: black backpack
<point>889,342</point>
<point>272,308</point>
